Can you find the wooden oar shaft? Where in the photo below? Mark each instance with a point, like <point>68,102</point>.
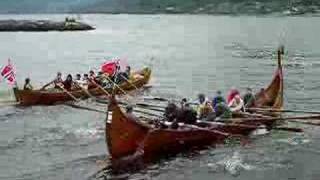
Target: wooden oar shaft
<point>102,111</point>
<point>276,118</point>
<point>129,82</point>
<point>101,88</point>
<point>116,85</point>
<point>284,110</point>
<point>84,90</point>
<point>291,129</point>
<point>70,94</point>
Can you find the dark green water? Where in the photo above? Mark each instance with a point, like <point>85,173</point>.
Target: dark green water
<point>189,54</point>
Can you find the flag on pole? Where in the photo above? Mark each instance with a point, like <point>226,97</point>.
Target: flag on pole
<point>110,67</point>
<point>8,73</point>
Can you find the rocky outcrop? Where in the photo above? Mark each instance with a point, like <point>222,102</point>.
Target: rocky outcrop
<point>42,25</point>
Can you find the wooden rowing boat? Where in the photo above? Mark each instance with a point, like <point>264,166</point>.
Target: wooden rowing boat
<point>45,97</point>
<point>125,135</point>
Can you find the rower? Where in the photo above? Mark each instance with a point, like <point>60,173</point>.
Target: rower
<point>236,104</point>
<point>129,112</point>
<point>186,115</point>
<point>170,112</point>
<point>78,78</point>
<point>85,77</point>
<point>183,103</point>
<point>205,110</point>
<point>27,85</point>
<point>68,83</point>
<point>200,104</point>
<point>128,72</point>
<point>222,111</point>
<point>218,99</point>
<point>249,99</point>
<point>57,82</point>
<point>232,93</point>
<point>92,75</point>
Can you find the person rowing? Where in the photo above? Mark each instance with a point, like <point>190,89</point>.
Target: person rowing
<point>27,85</point>
<point>236,104</point>
<point>123,76</point>
<point>249,99</point>
<point>222,111</point>
<point>92,75</point>
<point>57,82</point>
<point>232,93</point>
<point>205,110</point>
<point>218,99</point>
<point>68,83</point>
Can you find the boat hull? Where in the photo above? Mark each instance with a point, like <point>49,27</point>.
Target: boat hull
<point>42,97</point>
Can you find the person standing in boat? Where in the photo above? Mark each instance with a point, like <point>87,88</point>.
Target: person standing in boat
<point>218,99</point>
<point>57,82</point>
<point>27,85</point>
<point>236,104</point>
<point>249,99</point>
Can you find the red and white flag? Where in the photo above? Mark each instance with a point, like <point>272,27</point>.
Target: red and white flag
<point>8,73</point>
<point>110,67</point>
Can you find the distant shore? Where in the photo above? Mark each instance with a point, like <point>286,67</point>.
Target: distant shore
<point>43,25</point>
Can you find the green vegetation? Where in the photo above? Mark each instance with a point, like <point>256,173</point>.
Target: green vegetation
<point>162,6</point>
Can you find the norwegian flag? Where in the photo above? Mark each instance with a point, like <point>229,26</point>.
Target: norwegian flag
<point>8,73</point>
<point>110,67</point>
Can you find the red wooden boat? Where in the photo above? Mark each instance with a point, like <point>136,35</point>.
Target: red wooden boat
<point>124,135</point>
<point>45,97</point>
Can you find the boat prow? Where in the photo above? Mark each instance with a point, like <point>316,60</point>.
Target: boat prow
<point>272,97</point>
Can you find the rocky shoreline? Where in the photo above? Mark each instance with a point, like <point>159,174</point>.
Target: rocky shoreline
<point>43,25</point>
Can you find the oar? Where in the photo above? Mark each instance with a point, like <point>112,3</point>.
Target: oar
<point>308,123</point>
<point>85,108</point>
<point>290,129</point>
<point>276,118</point>
<point>85,91</point>
<point>102,111</point>
<point>285,110</point>
<point>129,82</point>
<point>67,92</point>
<point>150,105</point>
<point>116,85</point>
<point>9,103</point>
<point>101,88</point>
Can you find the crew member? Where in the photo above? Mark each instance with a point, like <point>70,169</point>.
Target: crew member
<point>236,104</point>
<point>218,99</point>
<point>27,85</point>
<point>68,83</point>
<point>249,99</point>
<point>57,82</point>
